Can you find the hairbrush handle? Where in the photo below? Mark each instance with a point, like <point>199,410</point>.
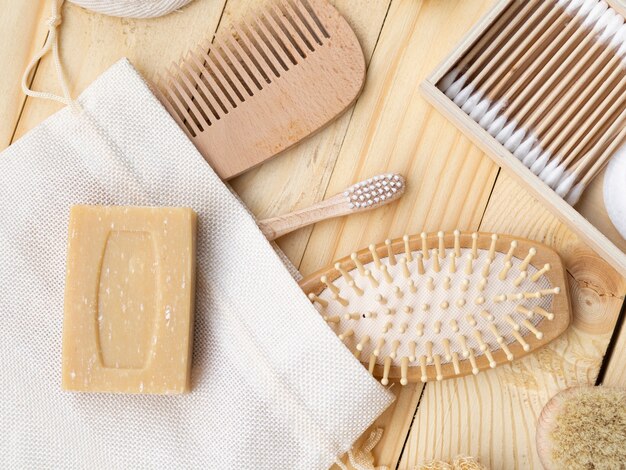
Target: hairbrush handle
<point>365,195</point>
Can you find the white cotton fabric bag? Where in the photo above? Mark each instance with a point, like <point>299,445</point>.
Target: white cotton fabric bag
<point>273,387</point>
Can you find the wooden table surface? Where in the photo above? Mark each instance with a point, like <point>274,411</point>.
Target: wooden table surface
<point>451,184</point>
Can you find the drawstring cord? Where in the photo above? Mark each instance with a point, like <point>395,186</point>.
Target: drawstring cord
<point>361,458</point>
<point>51,44</point>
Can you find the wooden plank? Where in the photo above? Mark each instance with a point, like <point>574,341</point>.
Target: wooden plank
<point>90,43</point>
<point>299,177</point>
<point>393,129</point>
<point>492,416</point>
<point>22,33</point>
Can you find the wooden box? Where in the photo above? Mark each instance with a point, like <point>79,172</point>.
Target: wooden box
<point>588,218</point>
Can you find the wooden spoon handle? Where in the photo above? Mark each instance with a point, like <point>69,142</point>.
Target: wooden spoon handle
<point>363,196</point>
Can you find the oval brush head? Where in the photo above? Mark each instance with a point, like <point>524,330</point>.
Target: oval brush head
<point>443,305</point>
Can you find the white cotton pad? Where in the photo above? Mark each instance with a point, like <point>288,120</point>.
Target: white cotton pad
<point>615,190</point>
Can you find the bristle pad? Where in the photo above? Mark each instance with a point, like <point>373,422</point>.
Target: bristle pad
<point>448,291</point>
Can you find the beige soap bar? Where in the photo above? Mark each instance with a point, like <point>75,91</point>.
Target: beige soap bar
<point>129,299</point>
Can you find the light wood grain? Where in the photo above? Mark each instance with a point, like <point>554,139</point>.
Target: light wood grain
<point>493,415</point>
<point>449,186</point>
<point>22,33</point>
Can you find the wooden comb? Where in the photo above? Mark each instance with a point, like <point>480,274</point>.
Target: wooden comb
<point>443,305</point>
<point>275,79</point>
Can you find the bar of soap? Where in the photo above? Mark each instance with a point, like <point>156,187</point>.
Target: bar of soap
<point>129,299</point>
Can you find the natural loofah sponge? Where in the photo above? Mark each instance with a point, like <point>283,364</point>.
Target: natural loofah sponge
<point>461,462</point>
<point>583,428</point>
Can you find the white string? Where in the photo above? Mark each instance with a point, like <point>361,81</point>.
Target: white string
<point>361,457</point>
<point>51,44</point>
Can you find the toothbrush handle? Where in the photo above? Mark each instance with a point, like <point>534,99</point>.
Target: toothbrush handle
<point>276,227</point>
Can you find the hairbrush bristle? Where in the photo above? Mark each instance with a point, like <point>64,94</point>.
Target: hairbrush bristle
<point>476,301</point>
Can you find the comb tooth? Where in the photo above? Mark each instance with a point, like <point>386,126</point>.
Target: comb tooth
<point>278,31</point>
<point>412,350</point>
<point>464,285</point>
<point>424,377</point>
<point>442,246</point>
<point>455,363</point>
<point>543,313</point>
<point>386,368</point>
<point>387,326</point>
<point>271,42</point>
<point>220,62</point>
<point>216,74</point>
<point>405,269</point>
<point>308,20</point>
<point>436,265</point>
<point>372,363</point>
<point>358,264</point>
<point>204,94</point>
<point>430,284</point>
<point>371,315</point>
<point>247,61</point>
<point>470,319</point>
<point>521,340</point>
<point>486,315</point>
<point>357,353</point>
<point>530,327</point>
<point>437,327</point>
<point>444,305</point>
<point>404,368</point>
<point>420,329</point>
<point>412,286</point>
<point>487,267</point>
<point>494,330</point>
<point>297,23</point>
<point>532,252</point>
<point>331,319</point>
<point>472,359</point>
<point>375,257</point>
<point>425,253</point>
<point>407,309</point>
<point>199,104</point>
<point>553,291</point>
<point>352,316</point>
<point>258,45</point>
<point>380,299</point>
<point>398,292</point>
<point>403,327</point>
<point>313,15</point>
<point>457,243</point>
<point>238,69</point>
<point>407,249</point>
<point>446,283</point>
<point>454,325</point>
<point>535,277</point>
<point>253,53</point>
<point>390,255</point>
<point>284,16</point>
<point>452,264</point>
<point>286,24</point>
<point>174,92</point>
<point>315,298</point>
<point>212,87</point>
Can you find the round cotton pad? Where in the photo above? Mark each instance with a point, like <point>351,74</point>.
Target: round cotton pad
<point>614,190</point>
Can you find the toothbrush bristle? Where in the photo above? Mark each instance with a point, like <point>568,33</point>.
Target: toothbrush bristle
<point>374,191</point>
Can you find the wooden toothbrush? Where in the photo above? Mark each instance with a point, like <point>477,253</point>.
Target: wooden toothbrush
<point>365,195</point>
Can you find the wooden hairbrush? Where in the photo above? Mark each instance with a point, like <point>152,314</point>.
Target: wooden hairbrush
<point>443,305</point>
<point>269,83</point>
